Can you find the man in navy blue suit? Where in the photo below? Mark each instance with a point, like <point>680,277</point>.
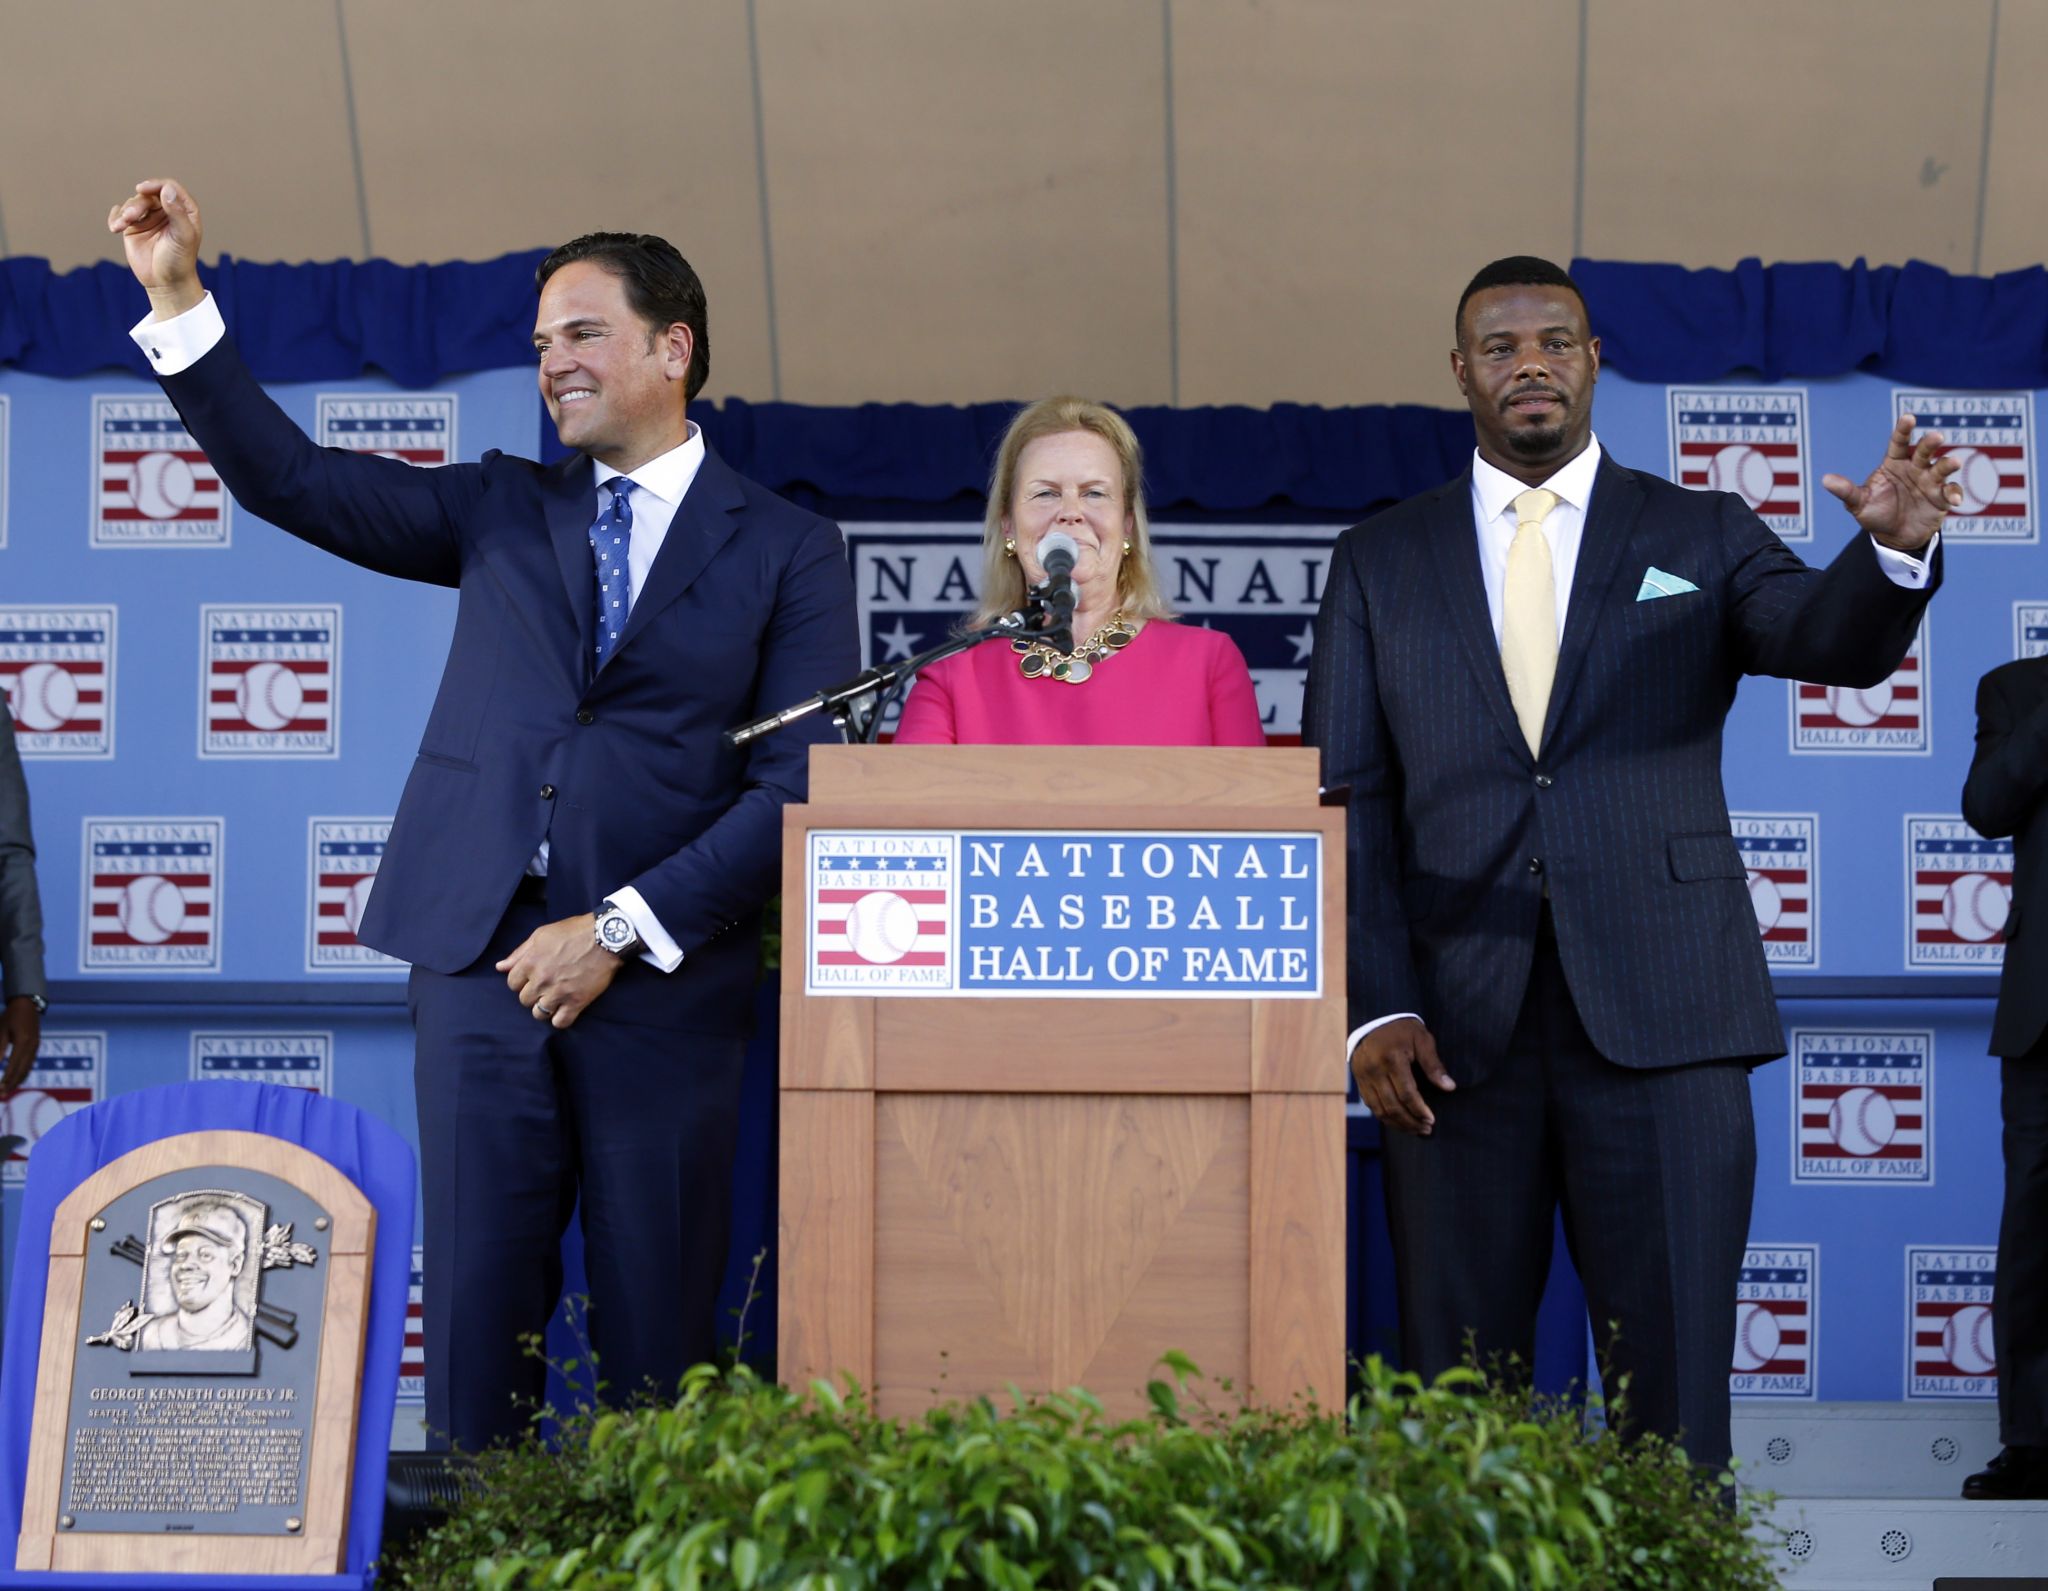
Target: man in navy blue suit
<point>1555,975</point>
<point>577,864</point>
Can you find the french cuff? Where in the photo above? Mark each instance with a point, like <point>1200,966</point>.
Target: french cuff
<point>1905,568</point>
<point>656,948</point>
<point>177,344</point>
<point>1357,1033</point>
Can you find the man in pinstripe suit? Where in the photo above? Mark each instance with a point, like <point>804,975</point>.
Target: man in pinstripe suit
<point>1555,972</point>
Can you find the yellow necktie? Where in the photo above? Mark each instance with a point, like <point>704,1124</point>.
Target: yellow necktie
<point>1528,618</point>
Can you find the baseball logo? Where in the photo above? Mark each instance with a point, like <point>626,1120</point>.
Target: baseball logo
<point>881,926</point>
<point>1977,475</point>
<point>1862,1121</point>
<point>269,696</point>
<point>1741,469</point>
<point>1860,708</point>
<point>1966,1341</point>
<point>163,485</point>
<point>152,908</point>
<point>1764,896</point>
<point>1756,1337</point>
<point>358,902</point>
<point>1974,907</point>
<point>43,696</point>
<point>29,1114</point>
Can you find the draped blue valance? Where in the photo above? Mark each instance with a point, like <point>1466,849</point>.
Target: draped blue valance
<point>421,323</point>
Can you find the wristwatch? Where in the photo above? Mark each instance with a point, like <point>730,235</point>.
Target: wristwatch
<point>41,1004</point>
<point>615,931</point>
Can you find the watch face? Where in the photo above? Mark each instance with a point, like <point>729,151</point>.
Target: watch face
<point>617,930</point>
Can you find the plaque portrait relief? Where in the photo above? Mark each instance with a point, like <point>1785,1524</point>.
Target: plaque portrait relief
<point>202,1348</point>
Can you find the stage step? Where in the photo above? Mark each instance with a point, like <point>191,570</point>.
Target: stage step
<point>1865,1450</point>
<point>1869,1544</point>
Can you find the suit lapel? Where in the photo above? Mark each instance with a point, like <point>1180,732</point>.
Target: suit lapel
<point>1454,540</point>
<point>570,502</point>
<point>1610,520</point>
<point>704,523</point>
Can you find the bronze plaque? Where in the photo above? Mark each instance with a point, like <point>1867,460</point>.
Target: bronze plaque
<point>202,1343</point>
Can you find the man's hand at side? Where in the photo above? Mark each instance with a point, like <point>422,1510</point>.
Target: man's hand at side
<point>560,970</point>
<point>1385,1063</point>
<point>21,1030</point>
<point>160,230</point>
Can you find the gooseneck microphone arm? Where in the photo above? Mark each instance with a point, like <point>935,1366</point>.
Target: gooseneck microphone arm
<point>851,704</point>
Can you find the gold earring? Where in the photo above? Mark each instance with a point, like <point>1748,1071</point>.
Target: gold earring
<point>1127,544</point>
<point>1009,548</point>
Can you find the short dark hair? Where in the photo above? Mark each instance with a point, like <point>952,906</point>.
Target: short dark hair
<point>1517,270</point>
<point>660,286</point>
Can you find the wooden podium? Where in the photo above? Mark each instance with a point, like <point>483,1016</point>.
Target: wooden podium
<point>1043,1191</point>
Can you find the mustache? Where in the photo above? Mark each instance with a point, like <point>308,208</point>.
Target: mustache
<point>1534,390</point>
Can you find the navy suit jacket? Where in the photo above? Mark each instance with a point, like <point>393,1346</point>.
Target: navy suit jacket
<point>1456,828</point>
<point>748,607</point>
<point>2007,793</point>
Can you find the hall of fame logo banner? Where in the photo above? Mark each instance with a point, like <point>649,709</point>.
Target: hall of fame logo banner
<point>1258,584</point>
<point>1749,441</point>
<point>152,895</point>
<point>151,484</point>
<point>2029,629</point>
<point>1949,1352</point>
<point>418,428</point>
<point>1991,436</point>
<point>1958,894</point>
<point>342,858</point>
<point>1862,1104</point>
<point>1781,851</point>
<point>412,1359</point>
<point>57,667</point>
<point>68,1073</point>
<point>288,1060</point>
<point>1119,915</point>
<point>1777,1300</point>
<point>1888,717</point>
<point>270,682</point>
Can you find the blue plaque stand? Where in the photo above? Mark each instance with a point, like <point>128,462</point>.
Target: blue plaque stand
<point>362,1148</point>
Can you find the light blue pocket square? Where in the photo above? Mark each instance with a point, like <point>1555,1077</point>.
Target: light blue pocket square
<point>1656,583</point>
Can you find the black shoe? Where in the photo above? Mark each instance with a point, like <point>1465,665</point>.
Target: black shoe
<point>2017,1472</point>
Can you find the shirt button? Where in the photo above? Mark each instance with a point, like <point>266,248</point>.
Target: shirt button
<point>1535,864</point>
<point>1543,781</point>
<point>585,716</point>
<point>547,792</point>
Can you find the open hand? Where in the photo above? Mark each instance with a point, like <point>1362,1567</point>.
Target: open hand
<point>1904,500</point>
<point>1385,1064</point>
<point>21,1030</point>
<point>159,228</point>
<point>559,970</point>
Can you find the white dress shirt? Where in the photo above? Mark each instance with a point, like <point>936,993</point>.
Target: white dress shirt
<point>175,345</point>
<point>1493,516</point>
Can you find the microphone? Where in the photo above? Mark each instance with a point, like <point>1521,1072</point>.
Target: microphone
<point>1056,554</point>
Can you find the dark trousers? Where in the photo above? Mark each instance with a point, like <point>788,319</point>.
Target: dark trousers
<point>2019,1313</point>
<point>517,1121</point>
<point>1654,1171</point>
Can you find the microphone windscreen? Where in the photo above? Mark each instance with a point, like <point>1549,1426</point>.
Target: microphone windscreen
<point>1057,552</point>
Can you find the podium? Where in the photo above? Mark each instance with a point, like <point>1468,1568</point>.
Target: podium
<point>1062,1073</point>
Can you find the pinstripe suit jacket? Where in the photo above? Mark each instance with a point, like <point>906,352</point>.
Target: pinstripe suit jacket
<point>21,908</point>
<point>1455,827</point>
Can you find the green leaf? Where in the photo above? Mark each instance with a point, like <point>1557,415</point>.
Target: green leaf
<point>746,1562</point>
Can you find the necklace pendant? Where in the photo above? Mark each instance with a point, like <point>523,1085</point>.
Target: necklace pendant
<point>1078,671</point>
<point>1033,664</point>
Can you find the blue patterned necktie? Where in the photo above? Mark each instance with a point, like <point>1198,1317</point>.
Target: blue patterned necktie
<point>610,539</point>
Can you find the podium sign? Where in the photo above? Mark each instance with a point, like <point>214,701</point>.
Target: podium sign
<point>1062,1072</point>
<point>1081,913</point>
<point>202,1344</point>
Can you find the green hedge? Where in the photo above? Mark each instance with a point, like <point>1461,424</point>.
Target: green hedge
<point>742,1483</point>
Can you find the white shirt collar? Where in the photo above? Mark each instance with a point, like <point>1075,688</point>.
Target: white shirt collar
<point>1496,489</point>
<point>667,475</point>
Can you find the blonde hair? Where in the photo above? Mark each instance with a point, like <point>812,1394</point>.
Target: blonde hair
<point>1002,576</point>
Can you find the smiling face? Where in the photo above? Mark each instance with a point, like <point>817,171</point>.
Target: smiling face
<point>613,384</point>
<point>1071,481</point>
<point>202,1269</point>
<point>1526,363</point>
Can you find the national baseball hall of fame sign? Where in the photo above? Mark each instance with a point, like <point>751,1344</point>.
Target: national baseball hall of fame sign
<point>203,1333</point>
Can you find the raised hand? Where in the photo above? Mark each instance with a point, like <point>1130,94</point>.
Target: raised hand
<point>1904,500</point>
<point>159,227</point>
